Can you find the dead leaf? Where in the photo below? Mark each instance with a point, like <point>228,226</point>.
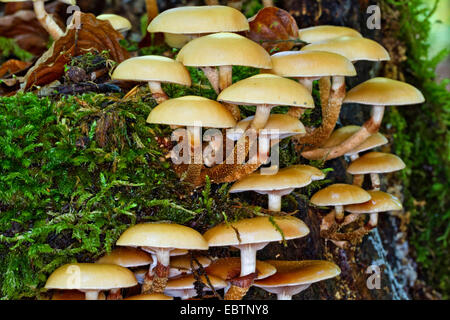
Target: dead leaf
<point>93,36</point>
<point>13,66</point>
<point>270,26</point>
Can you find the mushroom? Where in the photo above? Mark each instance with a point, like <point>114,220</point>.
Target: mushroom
<point>279,184</point>
<point>379,202</point>
<point>182,265</point>
<point>154,70</point>
<point>118,23</point>
<point>73,295</point>
<point>128,258</point>
<point>184,286</point>
<point>293,277</point>
<point>181,25</point>
<point>161,238</point>
<point>228,269</point>
<point>253,234</point>
<point>266,91</point>
<point>377,92</point>
<point>90,278</point>
<point>223,50</point>
<point>326,32</point>
<point>44,18</point>
<point>150,296</point>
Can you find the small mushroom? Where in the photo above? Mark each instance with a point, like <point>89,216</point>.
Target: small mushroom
<point>293,277</point>
<point>182,265</point>
<point>118,23</point>
<point>150,296</point>
<point>154,70</point>
<point>160,239</point>
<point>326,32</point>
<point>73,295</point>
<point>280,184</point>
<point>90,278</point>
<point>184,286</point>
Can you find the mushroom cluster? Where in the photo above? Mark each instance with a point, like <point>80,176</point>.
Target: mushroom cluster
<point>166,259</point>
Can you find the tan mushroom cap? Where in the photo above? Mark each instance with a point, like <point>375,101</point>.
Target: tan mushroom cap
<point>296,176</point>
<point>340,194</point>
<point>255,230</point>
<point>376,162</point>
<point>119,23</point>
<point>192,111</point>
<point>352,48</point>
<point>380,202</point>
<point>284,124</point>
<point>184,262</point>
<point>126,257</point>
<point>199,19</point>
<point>290,273</point>
<point>224,49</point>
<point>177,40</point>
<point>384,91</point>
<point>326,32</point>
<point>311,64</point>
<point>230,268</point>
<point>340,135</point>
<point>92,276</point>
<point>152,68</point>
<point>162,235</point>
<point>150,296</point>
<point>267,89</point>
<point>187,282</point>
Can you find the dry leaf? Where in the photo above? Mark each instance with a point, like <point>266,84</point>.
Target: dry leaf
<point>270,26</point>
<point>13,66</point>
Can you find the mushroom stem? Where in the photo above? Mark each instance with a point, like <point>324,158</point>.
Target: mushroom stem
<point>91,294</point>
<point>375,178</point>
<point>213,76</point>
<point>358,179</point>
<point>157,92</point>
<point>274,202</point>
<point>115,294</point>
<point>370,127</point>
<point>286,293</point>
<point>152,10</point>
<point>297,112</point>
<point>373,221</point>
<point>46,20</point>
<point>339,213</point>
<point>225,77</point>
<point>161,271</point>
<point>261,116</point>
<point>209,158</point>
<point>248,256</point>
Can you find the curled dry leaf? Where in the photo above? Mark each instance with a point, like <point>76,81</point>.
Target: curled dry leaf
<point>270,26</point>
<point>93,36</point>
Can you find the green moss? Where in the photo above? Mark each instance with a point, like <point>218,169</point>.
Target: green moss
<point>9,48</point>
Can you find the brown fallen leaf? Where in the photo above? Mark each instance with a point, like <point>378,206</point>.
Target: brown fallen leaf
<point>13,66</point>
<point>93,36</point>
<point>270,26</point>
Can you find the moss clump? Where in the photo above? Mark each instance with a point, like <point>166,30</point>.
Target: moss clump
<point>9,48</point>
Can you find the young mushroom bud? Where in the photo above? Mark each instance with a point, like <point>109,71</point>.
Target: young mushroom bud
<point>118,23</point>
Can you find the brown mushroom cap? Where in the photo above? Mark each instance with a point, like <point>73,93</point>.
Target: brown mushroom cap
<point>152,68</point>
<point>296,176</point>
<point>376,162</point>
<point>150,296</point>
<point>199,19</point>
<point>118,23</point>
<point>353,48</point>
<point>187,282</point>
<point>311,64</point>
<point>91,276</point>
<point>230,268</point>
<point>340,194</point>
<point>379,202</point>
<point>162,235</point>
<point>191,111</point>
<point>255,230</point>
<point>126,257</point>
<point>326,32</point>
<point>224,49</point>
<point>384,91</point>
<point>267,89</point>
<point>340,135</point>
<point>290,273</point>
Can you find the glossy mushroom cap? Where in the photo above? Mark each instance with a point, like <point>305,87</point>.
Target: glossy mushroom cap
<point>340,135</point>
<point>192,111</point>
<point>230,268</point>
<point>91,276</point>
<point>283,124</point>
<point>340,194</point>
<point>384,91</point>
<point>326,32</point>
<point>199,19</point>
<point>162,235</point>
<point>119,23</point>
<point>311,64</point>
<point>379,202</point>
<point>267,89</point>
<point>376,162</point>
<point>290,273</point>
<point>352,48</point>
<point>150,296</point>
<point>182,264</point>
<point>255,230</point>
<point>152,68</point>
<point>224,49</point>
<point>126,257</point>
<point>187,282</point>
<point>296,176</point>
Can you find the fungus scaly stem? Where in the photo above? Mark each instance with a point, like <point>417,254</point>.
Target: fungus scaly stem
<point>339,213</point>
<point>225,80</point>
<point>46,20</point>
<point>157,92</point>
<point>212,73</point>
<point>375,178</point>
<point>358,179</point>
<point>91,294</point>
<point>274,202</point>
